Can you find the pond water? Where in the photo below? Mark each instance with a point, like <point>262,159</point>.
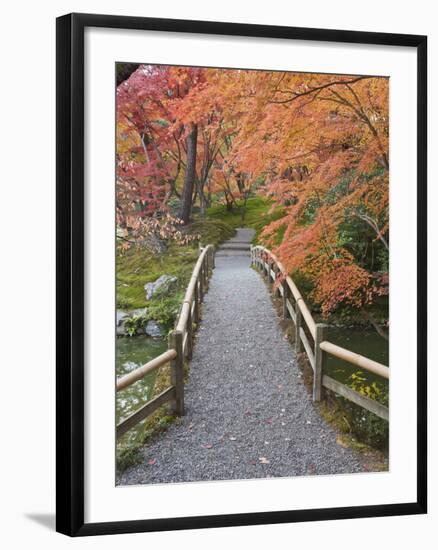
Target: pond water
<point>364,341</point>
<point>132,353</point>
<point>136,351</point>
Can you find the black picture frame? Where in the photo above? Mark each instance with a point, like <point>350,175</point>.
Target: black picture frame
<point>70,273</point>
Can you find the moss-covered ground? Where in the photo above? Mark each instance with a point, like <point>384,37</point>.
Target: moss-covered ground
<point>259,212</point>
<point>139,266</point>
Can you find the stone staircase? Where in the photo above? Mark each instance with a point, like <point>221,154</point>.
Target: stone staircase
<point>239,245</point>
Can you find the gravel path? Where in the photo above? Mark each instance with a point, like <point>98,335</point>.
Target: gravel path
<point>248,414</point>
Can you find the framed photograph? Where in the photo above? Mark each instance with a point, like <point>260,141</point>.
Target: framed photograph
<point>241,274</point>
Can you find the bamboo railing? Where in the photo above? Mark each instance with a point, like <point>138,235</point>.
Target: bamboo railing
<point>295,308</point>
<point>180,347</point>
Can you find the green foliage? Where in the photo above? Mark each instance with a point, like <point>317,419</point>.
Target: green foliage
<point>129,456</point>
<point>134,324</point>
<point>304,284</point>
<point>165,421</point>
<point>374,390</point>
<point>366,426</point>
<point>358,238</point>
<point>165,310</point>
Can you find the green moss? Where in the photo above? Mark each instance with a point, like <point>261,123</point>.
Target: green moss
<point>129,456</point>
<point>211,231</point>
<point>259,212</point>
<point>139,266</point>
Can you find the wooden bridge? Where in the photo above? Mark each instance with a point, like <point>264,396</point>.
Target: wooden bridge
<point>310,337</point>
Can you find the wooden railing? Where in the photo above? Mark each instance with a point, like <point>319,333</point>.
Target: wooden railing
<point>307,331</point>
<point>180,347</point>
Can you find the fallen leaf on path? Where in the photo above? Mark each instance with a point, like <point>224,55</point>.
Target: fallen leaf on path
<point>263,460</point>
<point>233,438</point>
<point>268,421</point>
<point>208,445</point>
<point>152,461</point>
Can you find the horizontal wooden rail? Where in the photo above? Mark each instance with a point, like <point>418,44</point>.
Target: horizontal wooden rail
<point>203,261</point>
<point>307,347</point>
<point>356,359</point>
<point>295,308</point>
<point>146,410</point>
<point>354,396</point>
<point>291,310</point>
<point>293,288</point>
<point>149,367</point>
<point>179,348</point>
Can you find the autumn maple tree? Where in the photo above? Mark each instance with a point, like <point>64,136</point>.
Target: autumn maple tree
<point>315,144</point>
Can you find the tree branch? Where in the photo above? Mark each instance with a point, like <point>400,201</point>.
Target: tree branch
<point>318,88</point>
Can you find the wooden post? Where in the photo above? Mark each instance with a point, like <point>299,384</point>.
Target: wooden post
<point>196,306</point>
<point>205,271</point>
<point>189,348</point>
<point>286,292</point>
<point>298,316</point>
<point>320,361</point>
<point>277,288</point>
<point>201,286</point>
<point>210,261</point>
<point>213,265</point>
<point>177,371</point>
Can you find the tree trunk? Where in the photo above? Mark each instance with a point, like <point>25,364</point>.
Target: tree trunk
<point>189,176</point>
<point>201,201</point>
<point>124,71</point>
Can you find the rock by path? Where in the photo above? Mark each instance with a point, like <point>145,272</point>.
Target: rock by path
<point>248,414</point>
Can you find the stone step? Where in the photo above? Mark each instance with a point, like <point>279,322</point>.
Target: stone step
<point>225,253</point>
<point>233,246</point>
<point>237,241</point>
